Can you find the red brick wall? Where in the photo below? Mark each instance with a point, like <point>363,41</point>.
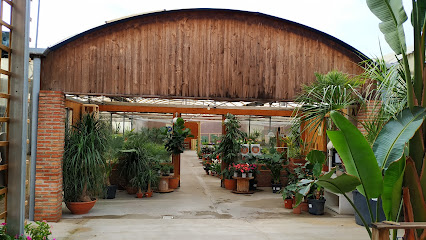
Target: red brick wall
<point>50,149</point>
<point>367,112</point>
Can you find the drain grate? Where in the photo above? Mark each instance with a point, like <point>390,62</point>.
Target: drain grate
<point>167,217</point>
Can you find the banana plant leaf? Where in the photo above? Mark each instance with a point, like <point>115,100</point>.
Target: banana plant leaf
<point>357,156</point>
<point>412,181</point>
<point>389,145</point>
<point>392,15</point>
<point>341,184</point>
<point>421,12</point>
<point>392,189</point>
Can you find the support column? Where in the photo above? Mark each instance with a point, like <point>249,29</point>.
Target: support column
<point>176,158</point>
<point>50,151</point>
<point>222,164</point>
<point>18,115</point>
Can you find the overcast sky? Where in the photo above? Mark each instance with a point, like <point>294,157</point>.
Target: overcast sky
<point>348,20</point>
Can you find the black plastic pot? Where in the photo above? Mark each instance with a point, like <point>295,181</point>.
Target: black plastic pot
<point>111,190</point>
<point>361,204</point>
<point>276,187</point>
<point>316,206</point>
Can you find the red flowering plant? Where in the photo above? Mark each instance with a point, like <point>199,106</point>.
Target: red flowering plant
<point>252,168</point>
<point>242,167</point>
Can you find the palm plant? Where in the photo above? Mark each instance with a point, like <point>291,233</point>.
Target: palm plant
<point>384,96</point>
<point>332,91</point>
<point>84,161</point>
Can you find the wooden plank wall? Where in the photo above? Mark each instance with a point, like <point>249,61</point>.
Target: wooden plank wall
<point>204,54</point>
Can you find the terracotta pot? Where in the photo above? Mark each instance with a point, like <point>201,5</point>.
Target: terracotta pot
<point>297,210</point>
<point>304,206</point>
<point>139,194</point>
<point>288,203</point>
<point>148,194</point>
<point>230,184</point>
<point>174,182</point>
<point>131,190</point>
<point>80,207</point>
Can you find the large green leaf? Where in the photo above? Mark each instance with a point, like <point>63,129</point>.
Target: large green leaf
<point>392,15</point>
<point>341,184</point>
<point>389,145</point>
<point>357,156</point>
<point>392,188</point>
<point>317,159</point>
<point>412,181</point>
<point>421,12</point>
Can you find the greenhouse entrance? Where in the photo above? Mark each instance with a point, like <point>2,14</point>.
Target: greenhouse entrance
<point>126,119</point>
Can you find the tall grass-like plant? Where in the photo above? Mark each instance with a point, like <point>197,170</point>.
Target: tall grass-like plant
<point>84,161</point>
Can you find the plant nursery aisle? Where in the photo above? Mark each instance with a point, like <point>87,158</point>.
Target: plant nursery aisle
<point>200,208</point>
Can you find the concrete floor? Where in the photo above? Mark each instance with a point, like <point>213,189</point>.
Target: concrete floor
<point>200,208</point>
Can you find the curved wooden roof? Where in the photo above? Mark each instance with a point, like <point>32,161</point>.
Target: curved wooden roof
<point>196,53</point>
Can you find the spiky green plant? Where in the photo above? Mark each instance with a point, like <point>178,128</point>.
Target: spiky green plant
<point>84,161</point>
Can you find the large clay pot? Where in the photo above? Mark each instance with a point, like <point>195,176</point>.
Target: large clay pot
<point>230,184</point>
<point>80,207</point>
<point>174,182</point>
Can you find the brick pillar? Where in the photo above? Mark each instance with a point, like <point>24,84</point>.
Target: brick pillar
<point>50,150</point>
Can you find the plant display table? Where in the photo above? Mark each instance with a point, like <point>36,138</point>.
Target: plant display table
<point>243,185</point>
<point>163,185</point>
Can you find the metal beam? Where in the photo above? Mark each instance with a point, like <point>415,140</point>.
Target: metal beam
<point>18,117</point>
<point>34,124</point>
<point>194,110</point>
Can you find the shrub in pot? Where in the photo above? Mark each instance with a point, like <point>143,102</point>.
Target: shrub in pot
<point>229,182</point>
<point>84,162</point>
<point>275,164</point>
<point>308,187</point>
<point>114,146</point>
<point>151,178</point>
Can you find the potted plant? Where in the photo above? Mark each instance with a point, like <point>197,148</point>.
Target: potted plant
<point>229,182</point>
<point>207,166</point>
<point>308,186</point>
<point>274,163</point>
<point>216,168</point>
<point>139,183</point>
<point>84,163</point>
<point>130,164</point>
<point>165,169</point>
<point>151,178</point>
<point>288,193</point>
<point>115,145</point>
<point>174,140</point>
<point>230,143</point>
